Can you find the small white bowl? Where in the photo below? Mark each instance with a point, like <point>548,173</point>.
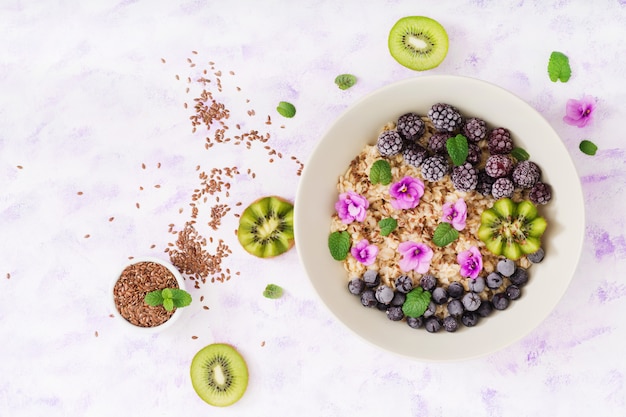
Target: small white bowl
<point>177,312</point>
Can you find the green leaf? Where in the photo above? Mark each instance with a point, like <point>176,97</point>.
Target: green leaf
<point>272,291</point>
<point>286,109</point>
<point>339,245</point>
<point>154,298</point>
<point>380,172</point>
<point>168,304</point>
<point>180,297</point>
<point>387,226</point>
<point>588,147</point>
<point>345,81</point>
<point>520,154</point>
<point>444,234</point>
<point>558,67</point>
<point>458,149</point>
<point>416,302</point>
<point>166,293</point>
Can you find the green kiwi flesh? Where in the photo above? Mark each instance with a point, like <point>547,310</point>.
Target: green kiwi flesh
<point>219,374</point>
<point>266,227</point>
<point>418,42</point>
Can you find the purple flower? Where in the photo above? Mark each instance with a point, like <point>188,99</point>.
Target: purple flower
<point>415,256</point>
<point>364,252</point>
<point>580,112</point>
<point>471,262</point>
<point>455,214</point>
<point>406,193</point>
<point>351,207</point>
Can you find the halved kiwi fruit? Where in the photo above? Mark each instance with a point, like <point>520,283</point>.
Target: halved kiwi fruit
<point>418,42</point>
<point>219,374</point>
<point>266,227</point>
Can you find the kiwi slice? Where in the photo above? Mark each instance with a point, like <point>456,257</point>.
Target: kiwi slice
<point>418,42</point>
<point>219,374</point>
<point>266,227</point>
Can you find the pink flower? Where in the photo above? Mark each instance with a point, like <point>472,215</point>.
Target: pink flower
<point>351,207</point>
<point>455,214</point>
<point>580,112</point>
<point>471,262</point>
<point>406,193</point>
<point>364,252</point>
<point>415,256</point>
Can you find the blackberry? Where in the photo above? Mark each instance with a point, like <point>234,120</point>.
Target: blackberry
<point>414,154</point>
<point>475,129</point>
<point>485,182</point>
<point>541,193</point>
<point>500,141</point>
<point>445,118</point>
<point>389,143</point>
<point>437,142</point>
<point>526,174</point>
<point>503,187</point>
<point>465,177</point>
<point>411,126</point>
<point>498,166</point>
<point>434,168</point>
<point>474,154</point>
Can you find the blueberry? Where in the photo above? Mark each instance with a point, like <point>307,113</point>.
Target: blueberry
<point>499,301</point>
<point>430,310</point>
<point>432,324</point>
<point>381,307</point>
<point>519,277</point>
<point>476,285</point>
<point>404,283</point>
<point>455,307</point>
<point>415,322</point>
<point>513,292</point>
<point>398,299</point>
<point>469,318</point>
<point>494,280</point>
<point>384,294</point>
<point>395,313</point>
<point>505,267</point>
<point>451,324</point>
<point>371,278</point>
<point>440,295</point>
<point>485,308</point>
<point>356,286</point>
<point>471,301</point>
<point>368,298</point>
<point>455,290</point>
<point>428,282</point>
<point>537,256</point>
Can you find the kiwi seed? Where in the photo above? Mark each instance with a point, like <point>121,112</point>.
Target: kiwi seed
<point>418,42</point>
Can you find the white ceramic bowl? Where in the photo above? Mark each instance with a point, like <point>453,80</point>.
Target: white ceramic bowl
<point>175,317</point>
<point>358,126</point>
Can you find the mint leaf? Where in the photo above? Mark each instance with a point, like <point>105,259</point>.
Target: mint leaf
<point>588,147</point>
<point>345,81</point>
<point>166,293</point>
<point>154,298</point>
<point>286,109</point>
<point>168,304</point>
<point>272,291</point>
<point>181,298</point>
<point>558,67</point>
<point>380,172</point>
<point>339,245</point>
<point>444,234</point>
<point>458,149</point>
<point>520,154</point>
<point>387,226</point>
<point>416,302</point>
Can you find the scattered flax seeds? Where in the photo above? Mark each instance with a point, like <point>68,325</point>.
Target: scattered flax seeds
<point>8,275</point>
<point>194,337</point>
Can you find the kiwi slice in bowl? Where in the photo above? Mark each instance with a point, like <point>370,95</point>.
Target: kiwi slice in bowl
<point>266,227</point>
<point>219,374</point>
<point>418,42</point>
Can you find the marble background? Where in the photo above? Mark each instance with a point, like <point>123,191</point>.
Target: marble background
<point>89,95</point>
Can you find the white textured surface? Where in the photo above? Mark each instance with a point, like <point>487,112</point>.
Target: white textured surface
<point>86,100</point>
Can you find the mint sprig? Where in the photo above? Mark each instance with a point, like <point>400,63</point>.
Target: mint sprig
<point>286,109</point>
<point>169,298</point>
<point>416,302</point>
<point>387,226</point>
<point>345,81</point>
<point>458,149</point>
<point>380,172</point>
<point>558,67</point>
<point>339,245</point>
<point>520,154</point>
<point>273,291</point>
<point>588,147</point>
<point>444,234</point>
